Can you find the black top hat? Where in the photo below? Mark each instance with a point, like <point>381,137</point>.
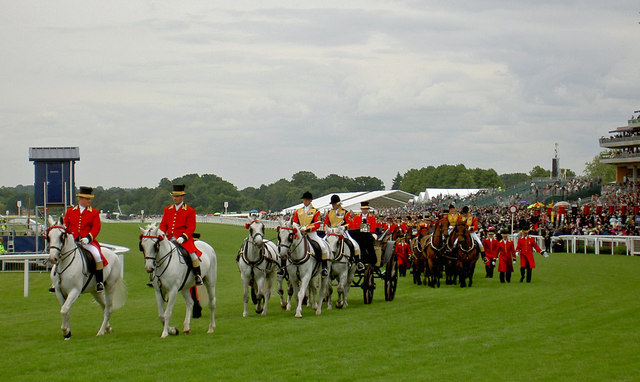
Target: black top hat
<point>451,206</point>
<point>307,195</point>
<point>178,190</point>
<point>335,199</point>
<point>85,192</point>
<point>465,209</point>
<point>364,204</point>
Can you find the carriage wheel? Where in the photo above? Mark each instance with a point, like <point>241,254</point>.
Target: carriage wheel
<point>391,278</point>
<point>358,276</point>
<point>368,285</point>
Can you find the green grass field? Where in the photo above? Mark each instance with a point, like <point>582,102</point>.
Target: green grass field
<point>579,319</point>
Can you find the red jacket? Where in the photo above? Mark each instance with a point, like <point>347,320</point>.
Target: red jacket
<point>490,247</point>
<point>356,222</point>
<point>85,224</point>
<point>402,249</point>
<point>180,223</point>
<point>525,246</point>
<point>506,255</point>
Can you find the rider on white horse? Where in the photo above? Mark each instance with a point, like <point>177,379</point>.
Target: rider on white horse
<point>309,219</point>
<point>179,224</point>
<point>338,216</point>
<point>83,222</point>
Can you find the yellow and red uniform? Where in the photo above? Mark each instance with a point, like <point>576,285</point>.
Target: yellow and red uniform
<point>181,222</point>
<point>336,218</point>
<point>310,218</point>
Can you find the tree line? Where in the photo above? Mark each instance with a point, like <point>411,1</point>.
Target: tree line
<point>207,193</point>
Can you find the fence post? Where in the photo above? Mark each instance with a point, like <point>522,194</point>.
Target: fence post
<point>26,277</point>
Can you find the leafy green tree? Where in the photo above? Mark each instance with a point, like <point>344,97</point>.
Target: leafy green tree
<point>509,180</point>
<point>395,183</point>
<point>539,172</point>
<point>597,169</point>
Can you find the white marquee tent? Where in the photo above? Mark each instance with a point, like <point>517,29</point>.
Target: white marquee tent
<point>351,200</point>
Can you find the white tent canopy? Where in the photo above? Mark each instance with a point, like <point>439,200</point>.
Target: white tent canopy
<point>351,200</point>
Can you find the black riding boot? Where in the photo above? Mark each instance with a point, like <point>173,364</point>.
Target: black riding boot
<point>502,277</point>
<point>198,277</point>
<point>522,270</point>
<point>99,281</point>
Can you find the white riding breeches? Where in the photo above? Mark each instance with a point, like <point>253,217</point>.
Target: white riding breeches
<point>94,252</point>
<point>323,244</point>
<point>475,237</point>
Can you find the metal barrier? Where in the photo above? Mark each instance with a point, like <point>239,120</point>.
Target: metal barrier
<point>273,224</point>
<point>631,243</point>
<point>40,259</point>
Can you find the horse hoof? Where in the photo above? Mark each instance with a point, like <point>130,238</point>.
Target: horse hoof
<point>187,331</point>
<point>244,314</point>
<point>173,331</point>
<point>298,315</point>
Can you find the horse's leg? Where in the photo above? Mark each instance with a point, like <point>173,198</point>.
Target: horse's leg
<point>161,305</point>
<point>461,273</point>
<point>64,311</point>
<point>245,298</point>
<point>210,282</point>
<point>268,284</point>
<point>189,311</point>
<point>316,292</point>
<point>259,279</point>
<point>342,285</point>
<point>105,302</point>
<point>302,291</point>
<point>168,311</point>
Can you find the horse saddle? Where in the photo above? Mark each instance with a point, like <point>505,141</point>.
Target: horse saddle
<point>185,255</point>
<point>317,251</point>
<point>88,257</point>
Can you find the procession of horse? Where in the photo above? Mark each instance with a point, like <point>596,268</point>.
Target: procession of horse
<point>292,262</point>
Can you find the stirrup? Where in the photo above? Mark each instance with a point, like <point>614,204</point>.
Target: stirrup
<point>52,290</point>
<point>100,287</point>
<point>198,280</point>
<point>360,266</point>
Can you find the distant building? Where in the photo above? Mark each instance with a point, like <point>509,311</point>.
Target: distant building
<point>624,150</point>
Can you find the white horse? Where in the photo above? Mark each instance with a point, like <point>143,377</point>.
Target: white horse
<point>258,262</point>
<point>71,276</point>
<point>343,266</point>
<point>302,266</point>
<point>172,275</point>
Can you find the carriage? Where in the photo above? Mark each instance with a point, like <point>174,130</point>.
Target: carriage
<point>385,269</point>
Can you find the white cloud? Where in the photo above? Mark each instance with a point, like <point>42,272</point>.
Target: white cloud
<point>256,91</point>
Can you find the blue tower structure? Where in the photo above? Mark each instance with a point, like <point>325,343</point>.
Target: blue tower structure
<point>54,175</point>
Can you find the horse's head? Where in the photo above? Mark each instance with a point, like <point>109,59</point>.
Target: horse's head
<point>150,239</point>
<point>333,237</point>
<point>287,233</point>
<point>56,238</point>
<point>256,232</point>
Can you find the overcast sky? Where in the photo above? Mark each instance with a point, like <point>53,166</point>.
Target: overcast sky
<point>255,91</point>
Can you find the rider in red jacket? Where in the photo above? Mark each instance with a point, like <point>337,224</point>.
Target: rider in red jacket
<point>179,224</point>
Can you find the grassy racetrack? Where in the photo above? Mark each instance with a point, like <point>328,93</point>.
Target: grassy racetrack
<point>579,319</point>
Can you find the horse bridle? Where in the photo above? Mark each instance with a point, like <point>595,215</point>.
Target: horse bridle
<point>253,236</point>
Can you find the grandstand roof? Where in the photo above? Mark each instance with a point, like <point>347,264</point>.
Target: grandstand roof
<point>434,192</point>
<point>351,200</point>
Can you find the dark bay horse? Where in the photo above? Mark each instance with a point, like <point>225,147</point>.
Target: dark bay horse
<point>467,255</point>
<point>419,264</point>
<point>435,248</point>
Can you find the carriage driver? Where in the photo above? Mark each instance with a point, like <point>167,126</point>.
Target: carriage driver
<point>363,226</point>
<point>453,217</point>
<point>338,216</point>
<point>472,225</point>
<point>83,222</point>
<point>179,223</point>
<point>309,220</point>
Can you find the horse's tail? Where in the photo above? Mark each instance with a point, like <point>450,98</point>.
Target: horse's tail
<point>120,294</point>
